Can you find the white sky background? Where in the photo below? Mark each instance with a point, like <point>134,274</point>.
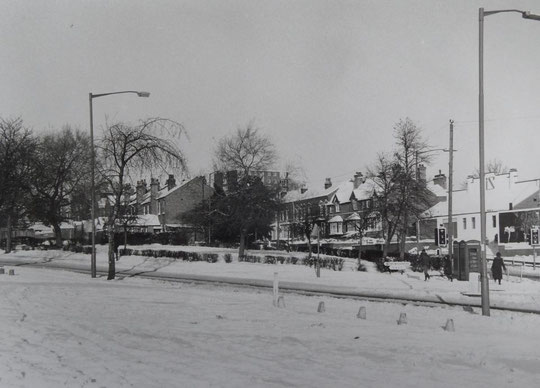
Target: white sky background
<point>326,79</point>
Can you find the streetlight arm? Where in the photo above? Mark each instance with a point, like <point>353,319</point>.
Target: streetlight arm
<point>138,93</point>
<point>524,14</point>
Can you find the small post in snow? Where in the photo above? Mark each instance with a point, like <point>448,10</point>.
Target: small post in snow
<point>361,313</point>
<point>321,308</point>
<point>276,289</point>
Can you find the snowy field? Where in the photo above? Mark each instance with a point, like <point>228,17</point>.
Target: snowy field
<point>65,329</point>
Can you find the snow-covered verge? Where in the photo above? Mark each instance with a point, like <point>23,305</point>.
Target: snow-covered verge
<point>514,292</point>
<point>65,329</point>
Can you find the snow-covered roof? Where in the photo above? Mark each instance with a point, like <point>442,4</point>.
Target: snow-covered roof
<point>165,191</point>
<point>343,192</point>
<point>335,219</point>
<point>354,217</point>
<point>147,220</point>
<point>297,195</point>
<point>365,190</point>
<point>501,191</point>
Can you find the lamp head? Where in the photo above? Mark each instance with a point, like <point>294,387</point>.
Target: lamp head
<point>143,94</point>
<point>531,16</point>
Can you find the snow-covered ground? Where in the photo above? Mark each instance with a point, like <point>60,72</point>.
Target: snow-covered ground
<point>61,328</point>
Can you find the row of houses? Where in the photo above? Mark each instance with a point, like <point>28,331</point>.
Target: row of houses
<point>512,207</point>
<point>157,207</point>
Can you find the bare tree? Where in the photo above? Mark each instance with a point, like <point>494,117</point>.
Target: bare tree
<point>495,166</point>
<point>295,175</point>
<point>387,200</point>
<point>247,150</point>
<point>17,146</point>
<point>414,197</point>
<point>60,166</point>
<point>129,148</point>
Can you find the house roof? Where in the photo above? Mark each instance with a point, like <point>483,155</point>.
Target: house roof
<point>343,192</point>
<point>365,190</point>
<point>297,195</point>
<point>354,217</point>
<point>500,192</point>
<point>336,219</point>
<point>147,220</point>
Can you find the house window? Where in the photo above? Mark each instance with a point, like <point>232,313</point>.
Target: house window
<point>354,204</point>
<point>464,223</point>
<point>473,219</point>
<point>336,228</point>
<point>330,209</point>
<point>337,207</point>
<point>159,207</point>
<point>494,221</point>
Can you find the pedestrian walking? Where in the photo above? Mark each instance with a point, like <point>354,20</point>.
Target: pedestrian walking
<point>448,268</point>
<point>497,266</point>
<point>426,261</point>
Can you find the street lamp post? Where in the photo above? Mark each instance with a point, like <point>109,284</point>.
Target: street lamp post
<point>483,269</point>
<point>93,166</point>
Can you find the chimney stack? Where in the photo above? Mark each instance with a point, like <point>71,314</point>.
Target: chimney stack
<point>358,180</point>
<point>422,173</point>
<point>327,183</point>
<point>171,182</point>
<point>440,179</point>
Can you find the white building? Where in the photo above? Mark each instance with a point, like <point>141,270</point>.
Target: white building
<point>508,200</point>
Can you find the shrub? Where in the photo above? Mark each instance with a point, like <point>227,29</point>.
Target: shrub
<point>228,258</point>
<point>210,257</point>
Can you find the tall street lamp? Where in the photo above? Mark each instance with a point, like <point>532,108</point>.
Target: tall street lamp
<point>93,166</point>
<point>483,265</point>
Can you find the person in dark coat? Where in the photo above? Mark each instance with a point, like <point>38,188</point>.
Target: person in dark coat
<point>448,268</point>
<point>497,267</point>
<point>426,262</point>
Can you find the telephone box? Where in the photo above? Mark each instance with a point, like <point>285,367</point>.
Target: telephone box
<point>466,258</point>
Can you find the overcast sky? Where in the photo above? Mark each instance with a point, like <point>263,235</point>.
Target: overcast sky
<point>326,80</point>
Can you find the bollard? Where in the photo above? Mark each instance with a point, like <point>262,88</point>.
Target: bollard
<point>12,272</point>
<point>281,302</point>
<point>361,313</point>
<point>402,319</point>
<point>321,309</point>
<point>449,325</point>
<point>276,289</point>
<point>2,271</point>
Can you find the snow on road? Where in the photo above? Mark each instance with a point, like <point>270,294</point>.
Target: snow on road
<point>66,329</point>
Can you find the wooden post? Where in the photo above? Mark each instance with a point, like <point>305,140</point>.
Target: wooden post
<point>276,289</point>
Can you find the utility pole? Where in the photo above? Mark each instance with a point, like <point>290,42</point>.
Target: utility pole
<point>450,174</point>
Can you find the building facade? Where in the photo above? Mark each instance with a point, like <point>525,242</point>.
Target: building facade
<point>512,208</point>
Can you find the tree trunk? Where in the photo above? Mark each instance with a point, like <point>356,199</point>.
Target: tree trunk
<point>8,234</point>
<point>112,261</point>
<point>125,237</point>
<point>309,246</point>
<point>57,234</point>
<point>359,251</point>
<point>402,245</point>
<point>242,247</point>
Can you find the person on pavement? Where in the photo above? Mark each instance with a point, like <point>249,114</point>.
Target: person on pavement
<point>426,261</point>
<point>497,267</point>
